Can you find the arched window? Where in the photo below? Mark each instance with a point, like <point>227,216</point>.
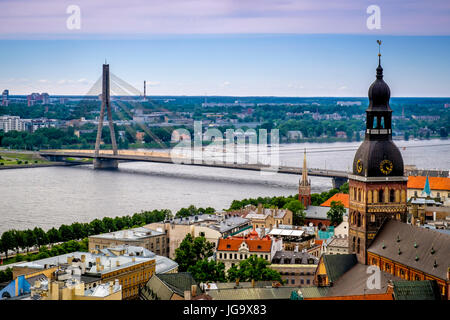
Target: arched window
<point>380,196</point>
<point>382,123</point>
<point>359,220</point>
<point>392,195</point>
<point>359,195</point>
<point>359,245</point>
<point>354,244</point>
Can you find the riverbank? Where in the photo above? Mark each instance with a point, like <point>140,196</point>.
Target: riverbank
<point>37,165</point>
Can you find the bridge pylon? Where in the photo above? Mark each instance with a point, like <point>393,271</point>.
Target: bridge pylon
<point>100,163</point>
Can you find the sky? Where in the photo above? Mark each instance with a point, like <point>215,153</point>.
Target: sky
<point>227,47</point>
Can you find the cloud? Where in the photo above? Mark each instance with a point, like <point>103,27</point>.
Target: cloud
<point>226,84</point>
<point>145,17</point>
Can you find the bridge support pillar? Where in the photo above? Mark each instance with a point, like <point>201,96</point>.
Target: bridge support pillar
<point>338,182</point>
<point>106,164</point>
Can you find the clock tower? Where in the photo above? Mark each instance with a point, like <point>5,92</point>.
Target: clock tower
<point>377,185</point>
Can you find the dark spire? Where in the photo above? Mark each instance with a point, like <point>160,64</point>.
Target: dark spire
<point>379,68</point>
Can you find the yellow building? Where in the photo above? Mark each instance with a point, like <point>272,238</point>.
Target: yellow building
<point>131,272</point>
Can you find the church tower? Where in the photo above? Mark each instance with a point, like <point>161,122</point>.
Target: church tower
<point>304,186</point>
<point>377,184</point>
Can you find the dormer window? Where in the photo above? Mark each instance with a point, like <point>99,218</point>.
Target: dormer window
<point>228,246</point>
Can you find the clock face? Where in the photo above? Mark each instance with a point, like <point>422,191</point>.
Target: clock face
<point>386,166</point>
<point>359,166</point>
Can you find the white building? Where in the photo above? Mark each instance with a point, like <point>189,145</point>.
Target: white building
<point>11,123</point>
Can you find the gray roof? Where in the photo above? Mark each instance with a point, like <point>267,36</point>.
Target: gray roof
<point>163,264</point>
<point>338,264</point>
<point>427,240</point>
<point>416,290</point>
<point>222,224</point>
<point>164,286</point>
<point>354,282</point>
<point>134,234</point>
<point>317,212</point>
<point>292,256</point>
<point>252,293</point>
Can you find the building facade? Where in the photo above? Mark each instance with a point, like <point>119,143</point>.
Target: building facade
<point>232,250</point>
<point>153,240</point>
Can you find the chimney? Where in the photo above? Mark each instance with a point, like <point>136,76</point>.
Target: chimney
<point>133,259</point>
<point>259,208</point>
<point>253,283</point>
<point>193,290</point>
<point>117,263</point>
<point>111,287</point>
<point>97,261</point>
<point>187,295</point>
<point>83,258</point>
<point>237,282</point>
<point>69,260</point>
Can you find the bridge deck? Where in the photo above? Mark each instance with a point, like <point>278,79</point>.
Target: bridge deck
<point>164,157</point>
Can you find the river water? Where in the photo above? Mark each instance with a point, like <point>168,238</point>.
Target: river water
<point>49,197</point>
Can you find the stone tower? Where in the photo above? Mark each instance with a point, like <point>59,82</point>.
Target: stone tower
<point>304,186</point>
<point>377,184</point>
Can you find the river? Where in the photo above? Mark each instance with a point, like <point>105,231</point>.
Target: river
<point>51,196</point>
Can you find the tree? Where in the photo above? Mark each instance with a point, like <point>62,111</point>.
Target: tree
<point>7,242</point>
<point>65,232</point>
<point>298,212</point>
<point>30,239</point>
<point>53,235</point>
<point>336,213</point>
<point>253,268</point>
<point>192,250</point>
<point>97,226</point>
<point>205,271</point>
<point>41,236</point>
<point>344,188</point>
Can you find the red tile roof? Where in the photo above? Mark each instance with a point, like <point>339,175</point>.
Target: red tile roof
<point>338,197</point>
<point>436,183</point>
<point>233,244</point>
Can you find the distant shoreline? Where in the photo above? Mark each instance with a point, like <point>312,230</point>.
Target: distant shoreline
<point>36,165</point>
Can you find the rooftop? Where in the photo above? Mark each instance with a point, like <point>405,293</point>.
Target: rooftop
<point>109,263</point>
<point>436,183</point>
<point>286,232</point>
<point>163,264</point>
<point>338,197</point>
<point>129,234</point>
<point>292,257</point>
<point>254,245</point>
<point>423,249</point>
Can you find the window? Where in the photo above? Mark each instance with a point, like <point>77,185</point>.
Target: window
<point>302,281</point>
<point>359,243</point>
<point>392,195</point>
<point>292,281</point>
<point>380,196</point>
<point>235,256</point>
<point>438,194</point>
<point>415,193</point>
<point>308,281</point>
<point>220,255</point>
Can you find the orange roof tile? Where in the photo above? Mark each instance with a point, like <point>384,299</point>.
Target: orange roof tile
<point>233,244</point>
<point>436,183</point>
<point>342,197</point>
